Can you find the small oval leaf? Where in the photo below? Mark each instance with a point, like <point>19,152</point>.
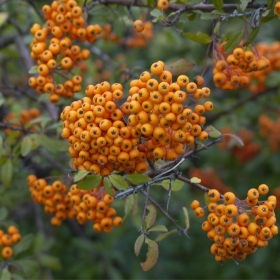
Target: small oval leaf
<point>159,228</point>
<point>137,179</point>
<point>151,215</point>
<point>26,146</point>
<point>108,186</point>
<point>213,132</point>
<point>23,244</point>
<point>7,172</point>
<point>164,235</point>
<point>177,185</point>
<point>195,180</point>
<point>33,70</point>
<point>198,37</point>
<point>186,215</point>
<point>152,255</point>
<point>3,213</point>
<point>128,206</point>
<point>118,182</point>
<point>138,244</point>
<point>90,182</point>
<point>80,175</point>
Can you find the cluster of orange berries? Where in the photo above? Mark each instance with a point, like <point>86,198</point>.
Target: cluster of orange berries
<point>26,116</point>
<point>270,129</point>
<point>158,125</point>
<point>99,139</point>
<point>82,205</point>
<point>54,51</point>
<point>272,53</point>
<point>245,153</point>
<point>8,239</point>
<point>166,114</point>
<point>231,72</point>
<point>238,227</point>
<point>209,178</point>
<point>138,39</point>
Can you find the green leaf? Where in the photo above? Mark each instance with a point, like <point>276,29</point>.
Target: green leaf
<point>252,36</point>
<point>217,28</point>
<point>90,182</point>
<point>206,198</point>
<point>268,18</point>
<point>49,261</point>
<point>218,4</point>
<point>3,213</point>
<point>151,215</point>
<point>157,15</point>
<point>43,121</point>
<point>159,228</point>
<point>118,182</point>
<point>198,37</point>
<point>177,185</point>
<point>137,179</point>
<point>244,3</point>
<point>53,145</point>
<point>33,70</point>
<point>26,146</point>
<point>138,244</point>
<point>179,66</point>
<point>5,274</point>
<point>23,244</point>
<point>208,16</point>
<point>80,175</point>
<point>187,219</point>
<point>152,255</point>
<point>108,186</point>
<point>3,18</point>
<point>233,41</point>
<point>164,235</point>
<point>213,132</point>
<point>195,180</point>
<point>7,172</point>
<point>128,206</point>
<point>1,145</point>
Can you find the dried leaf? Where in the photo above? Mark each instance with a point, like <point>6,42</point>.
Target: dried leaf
<point>152,255</point>
<point>151,215</point>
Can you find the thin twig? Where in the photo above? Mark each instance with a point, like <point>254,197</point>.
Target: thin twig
<point>180,229</point>
<point>16,128</point>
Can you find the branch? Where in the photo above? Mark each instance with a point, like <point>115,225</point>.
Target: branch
<point>180,229</point>
<point>17,128</point>
<point>181,7</point>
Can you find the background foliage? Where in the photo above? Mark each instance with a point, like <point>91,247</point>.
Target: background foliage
<point>72,251</point>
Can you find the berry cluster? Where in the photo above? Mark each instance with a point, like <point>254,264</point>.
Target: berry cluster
<point>230,72</point>
<point>245,153</point>
<point>99,139</point>
<point>7,240</point>
<point>26,116</point>
<point>54,51</point>
<point>209,178</point>
<point>238,227</point>
<point>166,114</point>
<point>272,53</point>
<point>82,205</point>
<point>270,129</point>
<point>158,125</point>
